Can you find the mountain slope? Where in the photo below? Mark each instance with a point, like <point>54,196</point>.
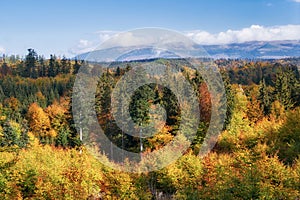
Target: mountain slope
<point>251,50</point>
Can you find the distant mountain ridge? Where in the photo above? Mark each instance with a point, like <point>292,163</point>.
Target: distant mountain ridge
<point>246,50</point>
<point>256,49</point>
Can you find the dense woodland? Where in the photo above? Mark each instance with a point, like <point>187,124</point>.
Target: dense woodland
<point>256,156</point>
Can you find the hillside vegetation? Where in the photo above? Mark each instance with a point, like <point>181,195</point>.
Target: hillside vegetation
<point>256,156</point>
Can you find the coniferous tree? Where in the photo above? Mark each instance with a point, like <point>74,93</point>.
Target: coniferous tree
<point>118,71</point>
<point>230,95</point>
<point>42,67</point>
<point>76,66</point>
<point>51,69</point>
<point>30,64</point>
<point>58,69</point>
<point>265,97</point>
<point>5,69</point>
<point>64,65</point>
<point>286,88</point>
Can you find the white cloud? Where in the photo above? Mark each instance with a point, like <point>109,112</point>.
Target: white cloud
<point>82,46</point>
<point>90,44</point>
<point>252,33</point>
<point>142,37</point>
<point>2,50</point>
<point>83,43</point>
<point>297,1</point>
<point>105,35</point>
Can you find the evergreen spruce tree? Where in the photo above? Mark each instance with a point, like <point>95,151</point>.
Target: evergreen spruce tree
<point>51,69</point>
<point>286,88</point>
<point>265,97</point>
<point>30,64</point>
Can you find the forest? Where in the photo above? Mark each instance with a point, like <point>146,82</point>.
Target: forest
<point>256,155</point>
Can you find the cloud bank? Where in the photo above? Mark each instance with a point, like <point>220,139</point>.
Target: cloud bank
<point>252,33</point>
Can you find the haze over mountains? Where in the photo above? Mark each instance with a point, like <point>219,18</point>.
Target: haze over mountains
<point>246,50</point>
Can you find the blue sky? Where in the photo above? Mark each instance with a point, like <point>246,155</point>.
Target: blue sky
<point>70,27</point>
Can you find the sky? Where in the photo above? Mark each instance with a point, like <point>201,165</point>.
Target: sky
<point>71,27</point>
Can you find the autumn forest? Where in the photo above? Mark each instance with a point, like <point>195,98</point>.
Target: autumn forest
<point>256,155</point>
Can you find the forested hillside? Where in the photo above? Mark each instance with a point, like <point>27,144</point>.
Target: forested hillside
<point>256,156</point>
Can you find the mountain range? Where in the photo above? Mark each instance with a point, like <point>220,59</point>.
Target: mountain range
<point>246,50</point>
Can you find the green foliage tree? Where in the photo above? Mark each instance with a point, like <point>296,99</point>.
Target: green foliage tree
<point>13,135</point>
<point>287,140</point>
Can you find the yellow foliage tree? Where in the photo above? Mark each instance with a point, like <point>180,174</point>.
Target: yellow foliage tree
<point>39,123</point>
<point>57,116</point>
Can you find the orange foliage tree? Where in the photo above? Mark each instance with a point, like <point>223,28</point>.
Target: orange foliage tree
<point>39,123</point>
